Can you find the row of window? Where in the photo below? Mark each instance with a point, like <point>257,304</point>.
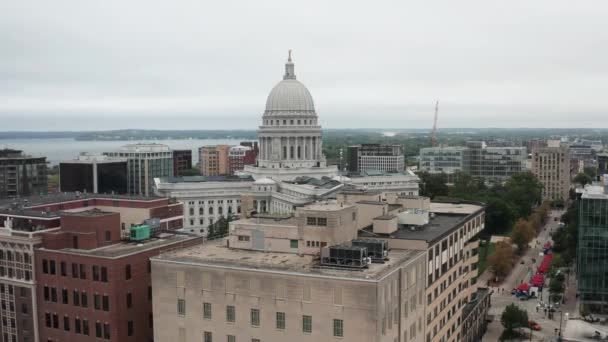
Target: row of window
<point>255,317</point>
<point>100,302</point>
<point>81,326</point>
<point>291,122</point>
<point>100,273</point>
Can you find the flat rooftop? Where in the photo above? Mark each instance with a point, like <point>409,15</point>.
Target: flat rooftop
<point>88,213</point>
<point>199,179</point>
<point>125,248</point>
<point>216,254</point>
<point>269,220</point>
<point>31,201</point>
<point>594,191</point>
<point>438,227</point>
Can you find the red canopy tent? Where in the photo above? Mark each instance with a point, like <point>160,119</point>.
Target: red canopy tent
<point>538,280</point>
<point>548,258</point>
<point>524,287</point>
<point>548,245</point>
<point>543,268</point>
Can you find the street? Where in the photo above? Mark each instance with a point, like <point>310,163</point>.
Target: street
<point>502,296</point>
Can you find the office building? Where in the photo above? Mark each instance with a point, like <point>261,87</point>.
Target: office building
<point>94,174</point>
<point>21,175</point>
<point>24,223</point>
<point>551,165</point>
<point>241,155</point>
<point>144,163</point>
<point>602,163</point>
<point>375,157</point>
<point>447,160</point>
<point>213,160</point>
<point>494,164</point>
<point>182,161</point>
<point>267,284</point>
<point>592,275</point>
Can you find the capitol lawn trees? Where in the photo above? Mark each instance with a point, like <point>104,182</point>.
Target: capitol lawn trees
<point>501,261</point>
<point>513,318</point>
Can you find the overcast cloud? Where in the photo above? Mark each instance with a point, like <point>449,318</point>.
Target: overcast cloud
<point>210,64</point>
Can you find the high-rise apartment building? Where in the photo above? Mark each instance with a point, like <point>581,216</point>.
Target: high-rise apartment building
<point>182,161</point>
<point>492,163</point>
<point>592,271</point>
<point>145,162</point>
<point>551,165</point>
<point>21,175</point>
<point>94,174</point>
<point>214,161</point>
<point>380,157</point>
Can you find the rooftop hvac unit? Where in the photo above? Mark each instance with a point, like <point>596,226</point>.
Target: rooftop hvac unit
<point>154,224</point>
<point>377,249</point>
<point>345,256</point>
<point>140,233</point>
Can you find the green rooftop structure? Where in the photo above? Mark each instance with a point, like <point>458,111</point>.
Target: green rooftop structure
<point>140,233</point>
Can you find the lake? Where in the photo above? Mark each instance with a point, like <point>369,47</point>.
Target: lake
<point>62,149</point>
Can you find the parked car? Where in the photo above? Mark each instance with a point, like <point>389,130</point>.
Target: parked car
<point>534,326</point>
<point>525,297</point>
<point>514,291</point>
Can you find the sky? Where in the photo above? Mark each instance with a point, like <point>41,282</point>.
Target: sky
<point>100,65</point>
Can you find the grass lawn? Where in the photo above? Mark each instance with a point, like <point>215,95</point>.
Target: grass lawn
<point>484,250</point>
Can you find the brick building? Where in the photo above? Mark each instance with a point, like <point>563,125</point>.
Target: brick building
<point>23,224</point>
<point>182,161</point>
<point>239,156</point>
<point>91,284</point>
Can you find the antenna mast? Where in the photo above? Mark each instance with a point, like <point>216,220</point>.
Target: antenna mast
<point>434,136</point>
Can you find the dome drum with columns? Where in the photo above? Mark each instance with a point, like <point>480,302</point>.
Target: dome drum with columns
<point>290,135</point>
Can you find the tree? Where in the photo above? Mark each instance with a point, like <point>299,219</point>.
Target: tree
<point>590,171</point>
<point>556,289</point>
<point>582,179</point>
<point>191,172</point>
<point>466,187</point>
<point>512,318</point>
<point>220,227</point>
<point>535,221</point>
<point>500,215</point>
<point>433,184</point>
<point>522,234</point>
<point>500,262</point>
<point>524,191</point>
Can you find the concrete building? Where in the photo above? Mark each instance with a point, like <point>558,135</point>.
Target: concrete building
<point>602,163</point>
<point>551,165</point>
<point>145,162</point>
<point>94,174</point>
<point>267,285</point>
<point>592,274</point>
<point>291,143</point>
<point>474,316</point>
<point>182,161</point>
<point>21,175</point>
<point>23,225</point>
<point>213,160</point>
<point>494,164</point>
<point>380,157</point>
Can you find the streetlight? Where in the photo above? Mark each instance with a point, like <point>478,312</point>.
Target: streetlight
<point>561,314</point>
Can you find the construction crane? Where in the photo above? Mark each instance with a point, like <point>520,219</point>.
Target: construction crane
<point>434,134</point>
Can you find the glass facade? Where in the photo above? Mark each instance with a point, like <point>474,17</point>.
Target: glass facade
<point>593,252</point>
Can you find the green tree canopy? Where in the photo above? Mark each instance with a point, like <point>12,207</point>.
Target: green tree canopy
<point>524,191</point>
<point>512,318</point>
<point>466,187</point>
<point>432,185</point>
<point>523,232</point>
<point>500,215</point>
<point>583,178</point>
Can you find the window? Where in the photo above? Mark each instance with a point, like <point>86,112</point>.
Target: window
<point>311,221</point>
<point>84,300</point>
<point>52,266</point>
<point>96,273</point>
<point>106,331</point>
<point>130,328</point>
<point>230,313</point>
<point>321,221</point>
<point>47,293</point>
<point>207,310</point>
<point>85,327</point>
<point>54,295</point>
<point>47,319</point>
<point>64,296</point>
<point>83,271</point>
<point>338,328</point>
<point>293,243</point>
<point>128,272</point>
<point>255,317</point>
<point>181,307</point>
<point>74,270</point>
<point>55,321</point>
<point>76,298</point>
<point>307,324</point>
<point>280,320</point>
<point>129,300</point>
<point>104,274</point>
<point>231,338</point>
<point>66,323</point>
<point>207,337</point>
<point>255,340</point>
<point>96,302</point>
<point>77,326</point>
<point>64,269</point>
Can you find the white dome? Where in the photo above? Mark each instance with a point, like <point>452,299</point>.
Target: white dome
<point>289,96</point>
<point>264,181</point>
